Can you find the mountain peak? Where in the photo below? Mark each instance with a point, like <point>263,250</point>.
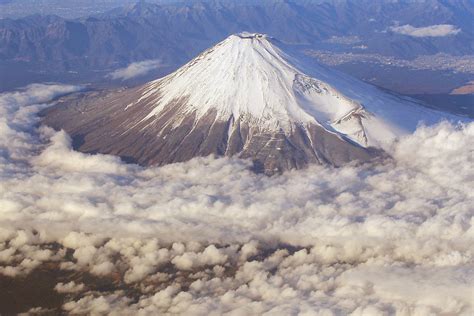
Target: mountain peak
<point>248,35</point>
<point>141,8</point>
<point>247,76</point>
<point>245,96</point>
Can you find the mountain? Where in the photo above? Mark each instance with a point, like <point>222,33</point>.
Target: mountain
<point>175,32</point>
<point>250,96</point>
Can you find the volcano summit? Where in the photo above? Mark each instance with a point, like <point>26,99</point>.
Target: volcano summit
<point>249,96</point>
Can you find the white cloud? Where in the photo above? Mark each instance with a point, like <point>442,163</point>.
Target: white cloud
<point>438,30</point>
<point>136,69</point>
<point>53,156</point>
<point>208,236</point>
<point>211,256</point>
<point>70,287</point>
<point>17,119</point>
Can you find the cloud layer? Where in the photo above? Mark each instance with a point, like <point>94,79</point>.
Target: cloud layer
<point>438,30</point>
<point>136,69</point>
<point>210,237</point>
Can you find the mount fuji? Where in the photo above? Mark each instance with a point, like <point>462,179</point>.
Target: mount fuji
<point>249,96</point>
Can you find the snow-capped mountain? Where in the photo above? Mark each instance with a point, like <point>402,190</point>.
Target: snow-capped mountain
<point>248,96</point>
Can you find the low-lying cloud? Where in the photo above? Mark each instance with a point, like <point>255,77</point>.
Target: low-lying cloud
<point>136,69</point>
<point>438,30</point>
<point>210,237</point>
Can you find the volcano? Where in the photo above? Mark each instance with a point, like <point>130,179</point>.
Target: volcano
<point>249,96</point>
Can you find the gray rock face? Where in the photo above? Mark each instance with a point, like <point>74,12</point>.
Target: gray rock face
<point>100,122</point>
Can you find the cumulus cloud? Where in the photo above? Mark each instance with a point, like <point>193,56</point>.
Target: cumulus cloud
<point>209,236</point>
<point>438,30</point>
<point>136,69</point>
<point>17,119</point>
<point>70,287</point>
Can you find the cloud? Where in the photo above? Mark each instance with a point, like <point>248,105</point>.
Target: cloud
<point>70,287</point>
<point>60,147</point>
<point>439,30</point>
<point>209,236</point>
<point>136,69</point>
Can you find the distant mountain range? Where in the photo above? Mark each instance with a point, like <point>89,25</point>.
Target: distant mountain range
<point>175,32</point>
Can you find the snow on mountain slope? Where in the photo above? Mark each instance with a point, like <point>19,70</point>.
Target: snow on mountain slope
<point>248,96</point>
<point>241,76</point>
<point>390,116</point>
<point>248,76</point>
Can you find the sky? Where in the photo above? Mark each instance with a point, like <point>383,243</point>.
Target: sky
<point>209,237</point>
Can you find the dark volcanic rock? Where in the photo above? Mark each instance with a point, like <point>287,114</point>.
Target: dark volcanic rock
<point>98,123</point>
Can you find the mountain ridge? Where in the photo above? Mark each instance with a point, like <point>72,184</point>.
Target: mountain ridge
<point>175,33</point>
<point>246,97</point>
